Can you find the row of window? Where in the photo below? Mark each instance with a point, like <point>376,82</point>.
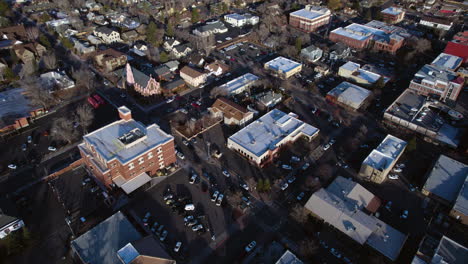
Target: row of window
<point>141,159</point>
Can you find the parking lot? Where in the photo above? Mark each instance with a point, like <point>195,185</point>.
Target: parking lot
<point>170,213</point>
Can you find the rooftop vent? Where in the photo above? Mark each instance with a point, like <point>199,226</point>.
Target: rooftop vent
<point>131,136</point>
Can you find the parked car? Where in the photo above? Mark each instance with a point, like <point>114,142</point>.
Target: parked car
<point>193,179</point>
<point>23,147</point>
<point>300,196</point>
<point>154,227</point>
<point>246,200</point>
<point>98,99</point>
<point>284,186</point>
<point>291,179</point>
<point>197,227</point>
<point>29,139</point>
<point>226,173</point>
<point>326,146</point>
<point>180,155</point>
<point>85,181</point>
<point>177,246</point>
<point>219,201</point>
<point>185,142</point>
<point>12,166</point>
<point>214,196</point>
<point>250,246</point>
<point>286,167</point>
<point>189,207</point>
<point>305,166</point>
<point>388,206</point>
<point>163,235</point>
<point>397,170</point>
<point>146,218</point>
<point>335,253</point>
<point>404,215</point>
<point>295,159</point>
<point>170,99</point>
<point>51,148</point>
<point>93,102</point>
<point>167,197</point>
<point>244,186</point>
<point>393,177</point>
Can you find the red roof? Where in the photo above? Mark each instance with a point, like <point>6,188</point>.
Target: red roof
<point>457,49</point>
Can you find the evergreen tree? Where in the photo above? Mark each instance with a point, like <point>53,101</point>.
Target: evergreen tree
<point>170,30</point>
<point>298,44</point>
<point>163,57</point>
<point>260,185</point>
<point>195,15</point>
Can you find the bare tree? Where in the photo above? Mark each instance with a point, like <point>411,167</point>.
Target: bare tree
<point>84,78</point>
<point>152,53</point>
<point>85,116</point>
<point>49,60</point>
<point>205,43</point>
<point>38,94</point>
<point>308,248</point>
<point>263,32</point>
<point>62,129</point>
<point>32,33</point>
<point>218,91</point>
<point>299,213</point>
<point>191,126</point>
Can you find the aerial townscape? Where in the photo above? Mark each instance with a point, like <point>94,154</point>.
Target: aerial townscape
<point>233,131</point>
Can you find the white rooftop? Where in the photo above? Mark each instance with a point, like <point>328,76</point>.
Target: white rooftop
<point>282,64</point>
<point>311,12</point>
<point>239,83</point>
<point>447,61</point>
<point>269,131</point>
<point>107,143</point>
<point>393,10</point>
<point>350,94</point>
<point>363,74</point>
<point>381,157</point>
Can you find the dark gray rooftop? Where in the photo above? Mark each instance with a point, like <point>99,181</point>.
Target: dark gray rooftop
<point>13,105</point>
<point>100,244</point>
<point>446,178</point>
<point>451,252</point>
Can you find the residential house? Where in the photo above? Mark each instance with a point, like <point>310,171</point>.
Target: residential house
<point>16,111</point>
<point>110,59</point>
<point>29,52</point>
<point>437,81</point>
<point>350,208</point>
<point>381,160</point>
<point>232,113</point>
<point>310,18</point>
<point>196,60</point>
<point>173,65</point>
<point>192,76</point>
<point>14,33</point>
<point>123,245</point>
<point>283,67</point>
<point>174,85</point>
<point>350,96</point>
<point>82,47</point>
<point>393,14</point>
<point>107,34</point>
<point>210,28</point>
<point>260,141</point>
<point>312,53</point>
<point>163,73</point>
<point>141,82</point>
<point>217,68</point>
<point>269,99</point>
<point>447,184</point>
<point>130,36</point>
<point>56,81</point>
<point>240,20</point>
<point>170,44</point>
<point>354,72</point>
<point>339,51</point>
<point>125,153</point>
<point>180,51</point>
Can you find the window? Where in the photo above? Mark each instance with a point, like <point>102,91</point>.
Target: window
<point>161,158</point>
<point>141,160</point>
<point>159,150</point>
<point>150,155</point>
<point>131,166</point>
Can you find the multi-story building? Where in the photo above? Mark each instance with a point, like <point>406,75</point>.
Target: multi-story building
<point>381,160</point>
<point>210,28</point>
<point>423,115</point>
<point>350,96</point>
<point>447,61</point>
<point>438,81</point>
<point>110,59</point>
<point>240,20</point>
<point>458,46</point>
<point>192,76</point>
<point>261,141</point>
<point>372,35</point>
<point>310,18</point>
<point>107,34</point>
<point>283,67</point>
<point>125,153</point>
<point>436,22</point>
<point>239,84</point>
<point>393,14</point>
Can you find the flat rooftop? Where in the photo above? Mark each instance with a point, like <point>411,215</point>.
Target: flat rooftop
<point>14,105</point>
<point>239,83</point>
<point>461,203</point>
<point>310,13</point>
<point>363,74</point>
<point>393,11</point>
<point>447,61</point>
<point>100,244</point>
<point>451,252</point>
<point>126,140</point>
<point>282,64</point>
<point>432,73</point>
<point>385,153</point>
<point>446,178</point>
<point>269,130</point>
<point>350,94</point>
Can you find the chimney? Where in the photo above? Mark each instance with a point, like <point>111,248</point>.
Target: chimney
<point>125,113</point>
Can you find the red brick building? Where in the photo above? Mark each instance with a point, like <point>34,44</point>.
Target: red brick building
<point>393,14</point>
<point>127,154</point>
<point>310,18</point>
